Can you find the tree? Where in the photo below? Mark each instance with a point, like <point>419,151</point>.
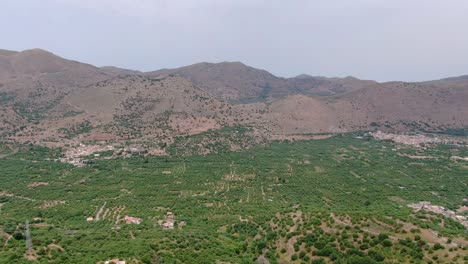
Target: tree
<point>438,246</point>
<point>18,236</point>
<point>377,256</point>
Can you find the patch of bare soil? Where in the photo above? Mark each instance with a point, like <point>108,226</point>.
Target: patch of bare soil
<point>55,246</point>
<point>41,225</point>
<point>417,156</point>
<point>37,184</point>
<point>193,125</point>
<point>50,204</point>
<point>397,199</point>
<point>459,158</point>
<point>319,169</point>
<point>7,194</point>
<point>99,212</point>
<point>30,255</point>
<point>301,137</point>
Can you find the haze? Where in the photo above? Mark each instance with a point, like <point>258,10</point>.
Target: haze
<point>369,39</point>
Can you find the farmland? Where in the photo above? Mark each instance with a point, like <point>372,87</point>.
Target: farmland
<point>343,199</point>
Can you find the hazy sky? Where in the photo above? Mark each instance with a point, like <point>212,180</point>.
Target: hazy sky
<point>372,39</point>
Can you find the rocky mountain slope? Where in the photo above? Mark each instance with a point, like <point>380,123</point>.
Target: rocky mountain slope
<point>33,82</point>
<point>49,100</point>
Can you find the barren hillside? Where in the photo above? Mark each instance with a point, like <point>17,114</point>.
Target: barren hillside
<point>48,100</point>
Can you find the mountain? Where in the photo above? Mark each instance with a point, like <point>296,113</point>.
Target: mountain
<point>32,62</point>
<point>48,100</point>
<point>36,69</point>
<point>422,105</point>
<point>239,82</point>
<point>322,86</point>
<point>32,82</point>
<point>226,80</point>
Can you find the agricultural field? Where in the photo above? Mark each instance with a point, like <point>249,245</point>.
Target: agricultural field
<point>342,199</point>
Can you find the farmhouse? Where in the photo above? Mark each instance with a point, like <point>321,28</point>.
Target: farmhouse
<point>169,221</point>
<point>132,220</point>
<point>168,225</point>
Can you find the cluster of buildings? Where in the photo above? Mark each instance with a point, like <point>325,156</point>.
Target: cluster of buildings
<point>414,140</point>
<point>169,221</point>
<point>74,156</point>
<point>427,206</point>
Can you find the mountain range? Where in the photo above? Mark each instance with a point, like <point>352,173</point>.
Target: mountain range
<point>49,100</point>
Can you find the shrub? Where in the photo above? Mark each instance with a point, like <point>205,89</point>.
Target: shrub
<point>438,246</point>
<point>377,256</point>
<point>387,243</point>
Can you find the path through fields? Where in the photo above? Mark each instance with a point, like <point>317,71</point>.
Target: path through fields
<point>98,214</point>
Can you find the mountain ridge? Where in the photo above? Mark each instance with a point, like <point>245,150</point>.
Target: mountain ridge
<point>48,100</point>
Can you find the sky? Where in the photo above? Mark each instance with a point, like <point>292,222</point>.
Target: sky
<point>384,40</point>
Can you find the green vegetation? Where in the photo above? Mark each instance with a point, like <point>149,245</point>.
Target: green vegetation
<point>340,200</point>
<point>6,97</point>
<point>455,131</point>
<point>33,111</point>
<point>77,129</point>
<point>72,113</point>
<point>212,141</point>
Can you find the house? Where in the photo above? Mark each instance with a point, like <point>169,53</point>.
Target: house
<point>132,220</point>
<point>90,219</point>
<point>168,225</point>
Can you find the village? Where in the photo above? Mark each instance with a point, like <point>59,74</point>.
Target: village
<point>417,140</point>
<point>79,155</point>
<point>414,140</point>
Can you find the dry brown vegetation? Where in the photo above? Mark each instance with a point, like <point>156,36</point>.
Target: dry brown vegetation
<point>47,100</point>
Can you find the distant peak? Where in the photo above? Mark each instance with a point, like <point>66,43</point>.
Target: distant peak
<point>223,63</point>
<point>303,76</point>
<point>233,63</point>
<point>349,77</point>
<point>36,50</point>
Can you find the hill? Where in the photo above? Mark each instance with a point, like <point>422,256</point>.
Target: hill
<point>32,82</point>
<point>241,83</point>
<point>49,100</point>
<point>189,166</point>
